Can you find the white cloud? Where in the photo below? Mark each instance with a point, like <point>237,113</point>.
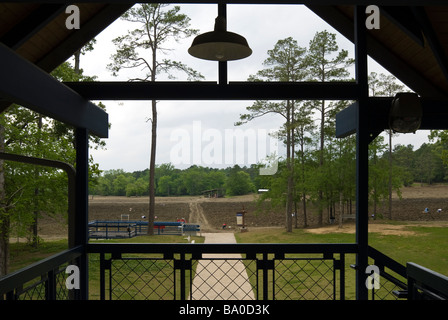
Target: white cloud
<point>129,138</point>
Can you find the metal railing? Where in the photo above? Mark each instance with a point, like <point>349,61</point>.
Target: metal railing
<point>43,280</point>
<point>392,276</point>
<point>220,271</point>
<point>103,229</point>
<point>425,284</point>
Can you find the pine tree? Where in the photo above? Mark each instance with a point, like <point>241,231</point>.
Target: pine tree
<point>284,63</point>
<point>325,62</point>
<point>140,48</point>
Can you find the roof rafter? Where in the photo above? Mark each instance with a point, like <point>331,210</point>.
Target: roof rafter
<point>404,18</point>
<point>31,25</point>
<point>307,2</point>
<point>382,54</point>
<point>431,37</point>
<point>78,38</point>
<point>25,84</point>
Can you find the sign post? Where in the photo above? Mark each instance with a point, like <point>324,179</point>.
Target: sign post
<point>241,220</point>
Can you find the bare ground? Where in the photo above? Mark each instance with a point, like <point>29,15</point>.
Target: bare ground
<point>211,213</point>
<point>385,229</point>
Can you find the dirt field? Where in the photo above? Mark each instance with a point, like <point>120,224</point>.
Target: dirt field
<point>378,227</point>
<point>424,192</point>
<point>212,213</point>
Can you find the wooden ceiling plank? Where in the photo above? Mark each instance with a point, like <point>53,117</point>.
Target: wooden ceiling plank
<point>31,25</point>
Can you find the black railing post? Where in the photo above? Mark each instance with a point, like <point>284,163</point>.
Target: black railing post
<point>182,277</point>
<point>50,285</point>
<point>82,199</point>
<point>362,152</point>
<point>102,277</point>
<point>341,276</point>
<point>266,277</point>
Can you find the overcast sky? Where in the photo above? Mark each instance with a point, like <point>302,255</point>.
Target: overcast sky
<point>194,132</point>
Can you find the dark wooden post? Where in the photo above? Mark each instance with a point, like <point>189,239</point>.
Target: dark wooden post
<point>362,148</point>
<point>81,216</point>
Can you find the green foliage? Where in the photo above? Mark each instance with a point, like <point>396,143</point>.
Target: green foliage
<point>140,47</point>
<point>30,191</point>
<point>238,183</point>
<point>156,25</point>
<point>175,182</point>
<point>323,167</point>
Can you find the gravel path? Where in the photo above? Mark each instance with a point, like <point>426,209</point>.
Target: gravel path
<point>223,276</point>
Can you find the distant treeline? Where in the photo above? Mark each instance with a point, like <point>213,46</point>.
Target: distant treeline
<point>423,165</point>
<point>171,181</point>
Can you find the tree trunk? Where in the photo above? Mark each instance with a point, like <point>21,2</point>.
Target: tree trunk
<point>291,185</point>
<point>289,194</point>
<point>152,167</point>
<point>289,204</point>
<point>4,216</point>
<point>77,55</point>
<point>296,218</point>
<point>390,174</point>
<point>152,161</point>
<point>34,226</point>
<point>321,159</point>
<point>341,208</point>
<point>4,235</point>
<point>302,160</point>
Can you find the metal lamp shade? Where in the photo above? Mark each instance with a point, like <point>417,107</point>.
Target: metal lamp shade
<point>220,45</point>
<point>406,113</point>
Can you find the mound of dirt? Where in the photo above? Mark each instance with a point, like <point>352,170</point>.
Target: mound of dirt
<point>212,213</point>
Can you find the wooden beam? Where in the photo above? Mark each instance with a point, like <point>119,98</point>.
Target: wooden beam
<point>434,115</point>
<point>212,91</point>
<point>383,55</point>
<point>310,2</point>
<point>23,83</point>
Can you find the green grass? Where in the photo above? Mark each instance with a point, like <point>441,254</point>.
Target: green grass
<point>136,276</point>
<point>428,246</point>
<point>278,235</point>
<point>22,254</point>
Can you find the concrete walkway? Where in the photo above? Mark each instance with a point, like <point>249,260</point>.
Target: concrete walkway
<point>222,276</point>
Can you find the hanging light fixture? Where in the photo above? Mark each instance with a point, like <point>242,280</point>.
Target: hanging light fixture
<point>405,114</point>
<point>220,44</point>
